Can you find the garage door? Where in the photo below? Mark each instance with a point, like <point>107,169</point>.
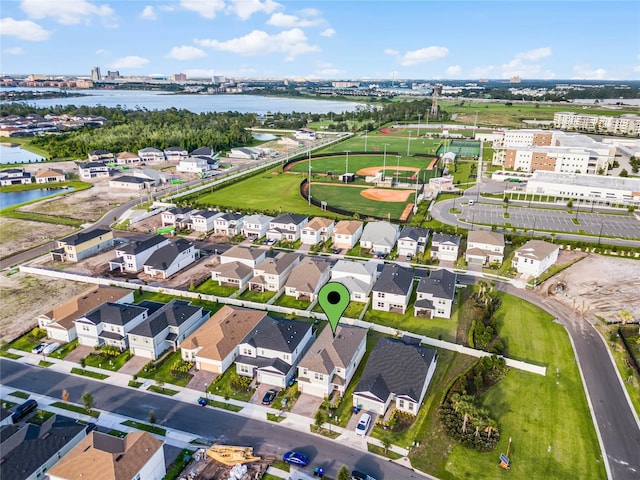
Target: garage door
<point>141,352</point>
<point>368,405</point>
<point>476,260</point>
<point>207,367</point>
<point>275,380</point>
<point>313,389</point>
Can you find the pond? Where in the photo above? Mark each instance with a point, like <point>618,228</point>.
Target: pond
<point>7,199</point>
<point>17,155</point>
<point>264,137</point>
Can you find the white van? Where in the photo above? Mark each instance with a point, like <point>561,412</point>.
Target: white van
<point>363,425</point>
<point>471,202</point>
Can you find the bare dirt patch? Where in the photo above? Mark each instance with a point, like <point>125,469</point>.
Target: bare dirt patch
<point>18,235</point>
<point>383,195</point>
<point>371,171</point>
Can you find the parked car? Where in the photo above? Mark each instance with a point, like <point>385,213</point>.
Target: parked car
<point>49,348</point>
<point>38,348</point>
<point>358,475</point>
<point>363,425</point>
<point>296,458</point>
<point>337,250</point>
<point>23,410</point>
<point>269,397</point>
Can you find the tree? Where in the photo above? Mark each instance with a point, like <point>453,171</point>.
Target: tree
<point>160,384</point>
<point>87,401</point>
<point>343,473</point>
<point>319,418</point>
<point>385,438</point>
<point>624,173</point>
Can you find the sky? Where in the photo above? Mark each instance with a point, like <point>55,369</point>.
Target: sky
<point>331,39</point>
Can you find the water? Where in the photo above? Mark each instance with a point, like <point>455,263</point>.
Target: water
<point>8,199</point>
<point>17,155</point>
<point>263,137</point>
<point>145,99</point>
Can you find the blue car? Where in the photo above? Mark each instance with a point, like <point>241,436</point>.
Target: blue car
<point>296,458</point>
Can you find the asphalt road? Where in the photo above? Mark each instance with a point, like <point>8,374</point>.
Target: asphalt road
<point>214,425</point>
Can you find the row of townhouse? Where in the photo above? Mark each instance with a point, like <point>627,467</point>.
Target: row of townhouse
<point>149,155</point>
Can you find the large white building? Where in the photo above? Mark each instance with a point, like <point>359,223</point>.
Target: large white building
<point>622,125</point>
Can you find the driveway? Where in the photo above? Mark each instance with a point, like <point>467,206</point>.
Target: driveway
<point>256,398</point>
<point>134,365</point>
<point>307,405</point>
<point>201,380</point>
<point>79,353</point>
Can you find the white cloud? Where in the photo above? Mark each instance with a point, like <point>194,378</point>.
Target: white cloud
<point>481,72</point>
<point>454,70</point>
<point>310,12</point>
<point>584,72</point>
<point>535,54</point>
<point>521,64</point>
<point>101,51</point>
<point>13,51</point>
<point>206,8</point>
<point>148,13</point>
<point>328,32</point>
<point>391,51</point>
<point>24,29</point>
<point>290,21</point>
<point>290,42</point>
<point>132,61</point>
<point>186,52</point>
<point>245,8</point>
<point>66,12</point>
<point>427,54</point>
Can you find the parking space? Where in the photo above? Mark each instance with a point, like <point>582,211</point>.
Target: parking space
<point>261,390</point>
<point>307,405</point>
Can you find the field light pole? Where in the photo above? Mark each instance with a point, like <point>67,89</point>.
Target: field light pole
<point>384,160</point>
<point>365,140</point>
<point>408,143</point>
<point>309,190</point>
<point>398,169</point>
<point>346,168</point>
<point>419,116</point>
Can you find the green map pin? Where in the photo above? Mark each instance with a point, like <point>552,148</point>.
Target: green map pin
<point>334,298</point>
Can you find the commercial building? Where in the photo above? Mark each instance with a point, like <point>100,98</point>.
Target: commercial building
<point>622,125</point>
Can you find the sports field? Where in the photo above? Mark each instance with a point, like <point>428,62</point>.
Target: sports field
<point>375,143</point>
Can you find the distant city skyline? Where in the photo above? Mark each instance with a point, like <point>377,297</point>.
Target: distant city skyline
<point>579,40</point>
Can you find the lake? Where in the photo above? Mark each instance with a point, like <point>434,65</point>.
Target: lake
<point>17,155</point>
<point>153,100</point>
<point>8,199</point>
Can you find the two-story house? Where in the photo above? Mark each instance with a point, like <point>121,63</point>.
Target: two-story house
<point>175,154</point>
<point>171,258</point>
<point>15,176</point>
<point>287,226</point>
<point>193,165</point>
<point>379,237</point>
<point>151,155</point>
<point>272,272</point>
<point>358,277</point>
<point>229,224</point>
<point>82,245</point>
<point>445,247</point>
<point>347,233</point>
<point>412,240</point>
<point>535,257</point>
<point>317,230</point>
<point>98,155</point>
<point>131,256</point>
<point>271,350</point>
<point>392,290</point>
<point>166,327</point>
<point>109,324</point>
<point>236,266</point>
<point>307,278</point>
<point>331,361</point>
<point>176,215</point>
<point>89,170</point>
<point>255,226</point>
<point>203,221</point>
<point>435,294</point>
<point>484,247</point>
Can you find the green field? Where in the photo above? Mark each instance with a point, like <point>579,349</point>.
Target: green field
<point>395,144</point>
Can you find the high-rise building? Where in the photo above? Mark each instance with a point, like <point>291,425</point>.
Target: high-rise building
<point>95,74</point>
<point>179,77</point>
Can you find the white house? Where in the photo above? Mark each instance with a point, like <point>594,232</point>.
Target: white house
<point>484,247</point>
<point>175,154</point>
<point>255,226</point>
<point>229,224</point>
<point>89,170</point>
<point>131,256</point>
<point>379,237</point>
<point>127,158</point>
<point>176,215</point>
<point>15,176</point>
<point>109,324</point>
<point>171,258</point>
<point>435,294</point>
<point>151,155</point>
<point>204,220</point>
<point>317,230</point>
<point>392,290</point>
<point>445,247</point>
<point>272,272</point>
<point>347,233</point>
<point>535,257</point>
<point>193,165</point>
<point>305,134</point>
<point>48,175</point>
<point>412,240</point>
<point>358,277</point>
<point>287,226</point>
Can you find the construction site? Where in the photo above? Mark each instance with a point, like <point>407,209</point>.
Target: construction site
<point>225,462</point>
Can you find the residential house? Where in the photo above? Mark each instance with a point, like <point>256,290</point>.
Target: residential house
<point>412,240</point>
<point>392,290</point>
<point>347,233</point>
<point>109,324</point>
<point>171,258</point>
<point>379,237</point>
<point>272,272</point>
<point>129,182</point>
<point>138,456</point>
<point>99,155</point>
<point>213,346</point>
<point>177,215</point>
<point>203,221</point>
<point>255,226</point>
<point>306,279</point>
<point>166,327</point>
<point>49,175</point>
<point>175,154</point>
<point>193,165</point>
<point>229,224</point>
<point>151,155</point>
<point>305,134</point>
<point>317,230</point>
<point>396,371</point>
<point>535,257</point>
<point>287,226</point>
<point>435,294</point>
<point>331,361</point>
<point>250,257</point>
<point>89,170</point>
<point>358,277</point>
<point>445,247</point>
<point>246,153</point>
<point>28,451</point>
<point>484,247</point>
<point>15,176</point>
<point>236,266</point>
<point>204,152</point>
<point>127,158</point>
<point>271,350</point>
<point>155,177</point>
<point>6,417</point>
<point>82,245</point>
<point>131,256</point>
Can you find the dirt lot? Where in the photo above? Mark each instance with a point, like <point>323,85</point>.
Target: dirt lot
<point>17,235</point>
<point>600,286</point>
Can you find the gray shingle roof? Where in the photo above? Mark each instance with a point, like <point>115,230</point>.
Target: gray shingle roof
<point>173,314</point>
<point>138,246</point>
<point>439,283</point>
<point>380,233</point>
<point>446,238</point>
<point>277,334</point>
<point>164,256</point>
<point>394,279</point>
<point>80,238</point>
<point>289,218</point>
<point>114,313</point>
<point>414,233</point>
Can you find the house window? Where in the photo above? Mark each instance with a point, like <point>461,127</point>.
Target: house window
<point>380,294</point>
<point>319,376</point>
<point>381,304</point>
<point>246,351</point>
<point>244,369</point>
<point>305,371</point>
<point>401,403</point>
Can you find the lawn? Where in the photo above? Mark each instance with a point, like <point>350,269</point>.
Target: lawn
<point>162,371</point>
<point>64,350</point>
<point>147,428</point>
<point>258,297</point>
<point>291,302</point>
<point>76,408</point>
<point>101,360</point>
<point>337,163</point>
<point>211,287</point>
<point>353,310</point>
<point>226,385</point>
<point>212,307</point>
<point>396,144</point>
<point>88,373</point>
<point>28,341</point>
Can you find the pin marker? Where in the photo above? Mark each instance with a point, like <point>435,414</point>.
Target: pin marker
<point>334,299</point>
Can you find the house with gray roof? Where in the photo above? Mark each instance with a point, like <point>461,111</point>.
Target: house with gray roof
<point>271,350</point>
<point>166,327</point>
<point>307,278</point>
<point>175,154</point>
<point>445,247</point>
<point>229,224</point>
<point>287,226</point>
<point>176,215</point>
<point>89,170</point>
<point>131,256</point>
<point>82,245</point>
<point>435,294</point>
<point>109,324</point>
<point>129,182</point>
<point>484,247</point>
<point>151,155</point>
<point>232,274</point>
<point>379,237</point>
<point>28,450</point>
<point>412,240</point>
<point>534,257</point>
<point>397,374</point>
<point>246,255</point>
<point>255,226</point>
<point>203,220</point>
<point>392,291</point>
<point>331,361</point>
<point>358,277</point>
<point>272,272</point>
<point>171,258</point>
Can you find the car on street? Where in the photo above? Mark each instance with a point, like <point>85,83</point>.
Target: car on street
<point>296,458</point>
<point>269,397</point>
<point>358,475</point>
<point>363,425</point>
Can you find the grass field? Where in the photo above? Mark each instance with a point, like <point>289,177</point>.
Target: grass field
<point>395,144</point>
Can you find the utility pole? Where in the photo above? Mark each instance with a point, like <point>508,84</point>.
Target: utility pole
<point>384,160</point>
<point>419,116</point>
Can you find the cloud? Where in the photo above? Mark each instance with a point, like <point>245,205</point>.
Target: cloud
<point>521,64</point>
<point>391,51</point>
<point>186,52</point>
<point>454,70</point>
<point>148,13</point>
<point>427,54</point>
<point>328,32</point>
<point>636,68</point>
<point>535,54</point>
<point>290,21</point>
<point>245,8</point>
<point>101,51</point>
<point>13,51</point>
<point>24,29</point>
<point>206,8</point>
<point>584,72</point>
<point>132,61</point>
<point>66,12</point>
<point>290,42</point>
<point>209,72</point>
<point>482,71</point>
